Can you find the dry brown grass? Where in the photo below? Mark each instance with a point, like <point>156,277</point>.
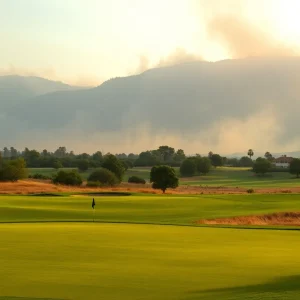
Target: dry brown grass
<point>39,186</point>
<point>282,218</point>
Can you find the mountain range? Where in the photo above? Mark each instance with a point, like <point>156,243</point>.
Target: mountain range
<point>227,106</point>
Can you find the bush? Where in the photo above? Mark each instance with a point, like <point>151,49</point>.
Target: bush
<point>102,177</point>
<point>13,170</point>
<point>188,167</point>
<point>250,191</point>
<point>203,164</point>
<point>295,167</point>
<point>67,178</point>
<point>113,164</point>
<point>136,179</point>
<point>39,176</point>
<point>261,166</point>
<point>82,165</point>
<point>57,164</point>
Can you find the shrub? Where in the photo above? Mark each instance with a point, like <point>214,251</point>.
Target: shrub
<point>39,176</point>
<point>295,167</point>
<point>113,164</point>
<point>250,191</point>
<point>102,177</point>
<point>67,178</point>
<point>13,170</point>
<point>57,164</point>
<point>188,167</point>
<point>261,166</point>
<point>203,164</point>
<point>82,165</point>
<point>136,179</point>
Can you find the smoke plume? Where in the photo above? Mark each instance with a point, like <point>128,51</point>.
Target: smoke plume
<point>244,39</point>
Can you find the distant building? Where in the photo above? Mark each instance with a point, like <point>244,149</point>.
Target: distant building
<point>283,161</point>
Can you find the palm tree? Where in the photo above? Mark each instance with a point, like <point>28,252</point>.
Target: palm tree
<point>250,153</point>
<point>268,156</point>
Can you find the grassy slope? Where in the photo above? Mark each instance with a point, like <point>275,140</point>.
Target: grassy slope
<point>237,177</point>
<point>130,261</point>
<point>158,209</point>
<point>133,262</point>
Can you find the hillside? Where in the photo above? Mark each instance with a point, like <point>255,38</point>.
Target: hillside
<point>14,89</point>
<point>200,105</point>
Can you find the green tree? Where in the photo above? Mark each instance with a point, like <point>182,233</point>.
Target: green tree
<point>295,167</point>
<point>250,153</point>
<point>57,164</point>
<point>269,156</point>
<point>245,161</point>
<point>166,153</point>
<point>103,177</point>
<point>163,177</point>
<point>179,155</point>
<point>13,153</point>
<point>60,152</point>
<point>13,170</point>
<point>147,158</point>
<point>114,165</point>
<point>6,152</point>
<point>261,166</point>
<point>216,160</point>
<point>210,154</point>
<point>98,156</point>
<point>82,165</point>
<point>45,153</point>
<point>188,167</point>
<point>203,165</point>
<point>124,164</point>
<point>67,178</point>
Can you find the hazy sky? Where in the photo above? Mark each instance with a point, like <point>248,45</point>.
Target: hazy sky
<point>88,41</point>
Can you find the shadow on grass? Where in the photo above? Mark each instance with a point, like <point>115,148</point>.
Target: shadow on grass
<point>280,288</point>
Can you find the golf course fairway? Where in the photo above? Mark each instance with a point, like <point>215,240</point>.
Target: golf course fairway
<point>137,261</point>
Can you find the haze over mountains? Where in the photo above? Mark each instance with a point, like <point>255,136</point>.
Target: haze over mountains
<point>227,107</point>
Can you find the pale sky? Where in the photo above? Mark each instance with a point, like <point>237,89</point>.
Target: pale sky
<point>85,42</point>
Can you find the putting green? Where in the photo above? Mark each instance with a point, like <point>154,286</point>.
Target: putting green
<point>123,261</point>
<point>157,209</point>
<point>161,260</point>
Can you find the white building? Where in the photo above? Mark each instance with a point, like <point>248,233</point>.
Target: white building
<point>283,161</point>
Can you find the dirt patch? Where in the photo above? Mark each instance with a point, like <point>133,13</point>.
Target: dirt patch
<point>283,218</point>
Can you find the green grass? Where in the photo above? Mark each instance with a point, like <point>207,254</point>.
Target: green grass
<point>147,255</point>
<point>219,177</point>
<point>242,177</point>
<point>154,209</point>
<point>133,262</point>
<point>50,171</point>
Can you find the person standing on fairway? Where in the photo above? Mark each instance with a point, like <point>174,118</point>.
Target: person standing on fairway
<point>93,206</point>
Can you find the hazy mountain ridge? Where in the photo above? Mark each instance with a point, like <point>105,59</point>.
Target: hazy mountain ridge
<point>223,106</point>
